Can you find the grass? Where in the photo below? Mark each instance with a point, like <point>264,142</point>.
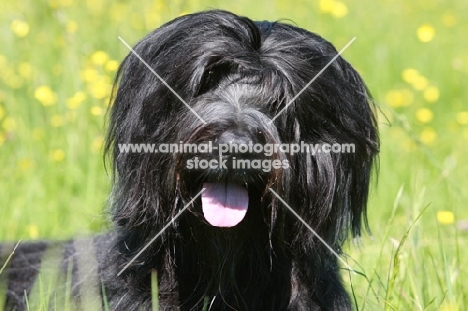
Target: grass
<point>57,61</point>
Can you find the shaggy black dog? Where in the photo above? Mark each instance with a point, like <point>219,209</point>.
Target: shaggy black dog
<point>237,246</point>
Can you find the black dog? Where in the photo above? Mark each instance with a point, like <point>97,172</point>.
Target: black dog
<point>237,246</point>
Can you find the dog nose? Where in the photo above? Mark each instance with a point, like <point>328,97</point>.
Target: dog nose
<point>233,143</point>
<point>237,138</point>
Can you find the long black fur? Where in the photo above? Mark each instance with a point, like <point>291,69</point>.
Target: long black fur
<point>237,75</point>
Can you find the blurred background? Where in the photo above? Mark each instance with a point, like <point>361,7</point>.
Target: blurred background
<point>57,63</point>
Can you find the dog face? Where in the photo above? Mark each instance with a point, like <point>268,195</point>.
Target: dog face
<point>239,80</point>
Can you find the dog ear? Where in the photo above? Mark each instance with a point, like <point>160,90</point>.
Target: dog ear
<point>338,113</point>
<point>329,188</point>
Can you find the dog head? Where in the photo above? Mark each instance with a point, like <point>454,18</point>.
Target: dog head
<point>221,79</point>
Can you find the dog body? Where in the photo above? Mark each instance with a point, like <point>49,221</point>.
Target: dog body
<point>236,246</point>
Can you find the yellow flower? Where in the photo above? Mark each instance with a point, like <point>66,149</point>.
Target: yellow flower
<point>428,135</point>
<point>54,4</point>
<point>96,111</point>
<point>420,83</point>
<point>58,155</point>
<point>25,70</point>
<point>89,75</point>
<point>326,6</point>
<point>449,307</point>
<point>425,33</point>
<point>71,27</point>
<point>2,138</point>
<point>413,77</point>
<point>462,117</point>
<point>61,42</point>
<point>56,120</point>
<point>80,96</point>
<point>75,101</point>
<point>99,58</point>
<point>160,6</point>
<point>410,75</point>
<point>431,94</point>
<point>424,115</point>
<point>14,81</point>
<point>33,231</point>
<point>20,28</point>
<point>96,7</point>
<point>100,88</point>
<point>399,98</point>
<point>339,9</point>
<point>112,65</point>
<point>336,8</point>
<point>152,18</point>
<point>2,112</point>
<point>9,124</point>
<point>25,164</point>
<point>72,103</point>
<point>45,95</point>
<point>445,217</point>
<point>448,19</point>
<point>96,145</point>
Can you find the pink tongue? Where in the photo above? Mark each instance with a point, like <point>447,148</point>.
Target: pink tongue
<point>224,204</point>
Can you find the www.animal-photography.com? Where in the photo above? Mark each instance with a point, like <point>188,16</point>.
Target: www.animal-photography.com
<point>215,155</point>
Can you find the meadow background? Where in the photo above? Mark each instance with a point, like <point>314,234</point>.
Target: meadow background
<point>57,62</point>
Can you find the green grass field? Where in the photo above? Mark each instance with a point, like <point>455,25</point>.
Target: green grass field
<point>57,62</point>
